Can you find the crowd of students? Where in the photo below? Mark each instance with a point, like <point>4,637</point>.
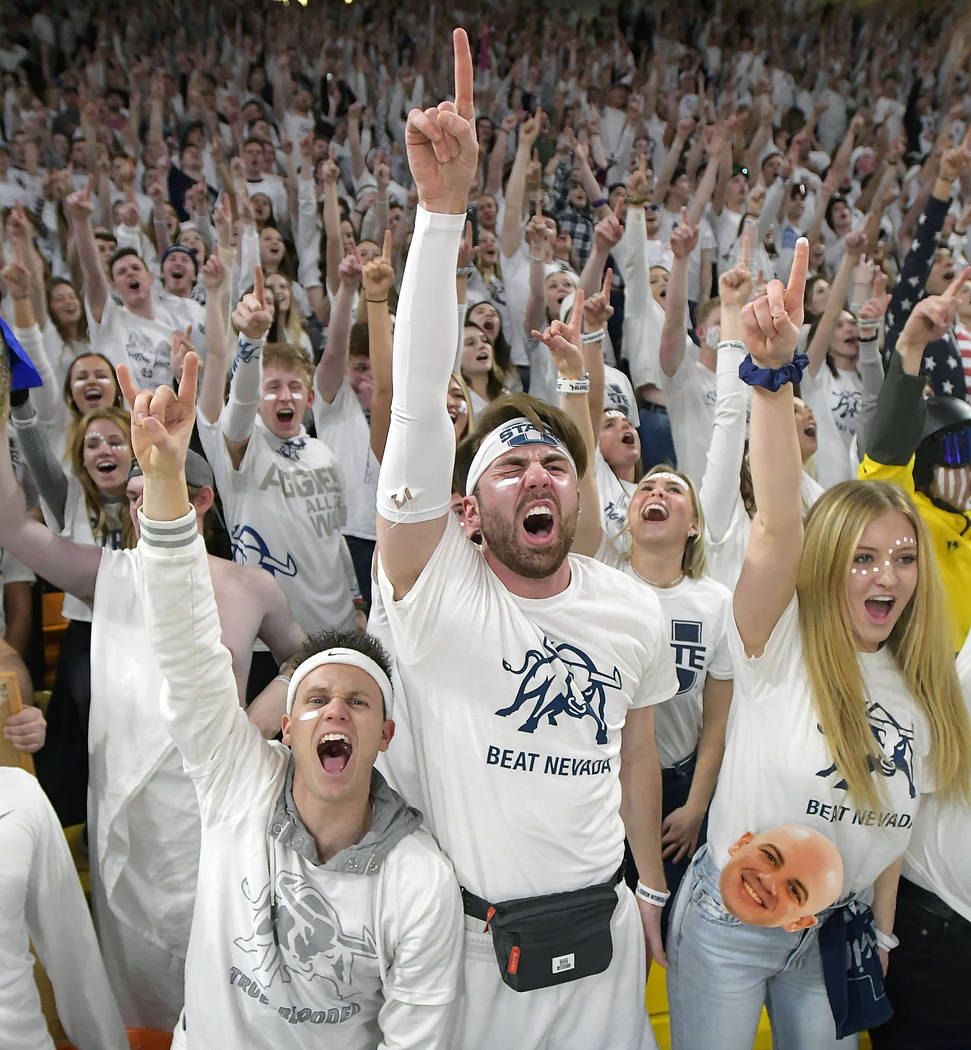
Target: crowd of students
<point>505,540</point>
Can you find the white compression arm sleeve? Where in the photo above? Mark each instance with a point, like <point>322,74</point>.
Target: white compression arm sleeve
<point>239,413</point>
<point>416,472</point>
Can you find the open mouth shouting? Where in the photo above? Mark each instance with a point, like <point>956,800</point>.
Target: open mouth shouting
<point>334,751</point>
<point>879,607</point>
<point>654,511</point>
<point>628,438</point>
<point>539,523</point>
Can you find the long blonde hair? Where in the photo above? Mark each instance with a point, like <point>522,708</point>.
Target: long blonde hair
<point>919,642</point>
<point>694,560</point>
<point>101,513</point>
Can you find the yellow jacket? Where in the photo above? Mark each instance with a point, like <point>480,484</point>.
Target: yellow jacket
<point>950,536</point>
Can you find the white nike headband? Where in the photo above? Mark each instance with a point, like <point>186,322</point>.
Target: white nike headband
<point>350,658</point>
<point>513,434</point>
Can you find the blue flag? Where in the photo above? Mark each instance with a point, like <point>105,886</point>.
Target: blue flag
<point>22,372</point>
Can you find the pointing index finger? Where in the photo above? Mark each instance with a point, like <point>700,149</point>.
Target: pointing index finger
<point>746,248</point>
<point>258,283</point>
<point>800,267</point>
<point>576,318</point>
<point>463,74</point>
<point>608,277</point>
<point>955,286</point>
<point>386,247</point>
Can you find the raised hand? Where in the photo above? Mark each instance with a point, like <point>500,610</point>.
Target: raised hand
<point>608,232</point>
<point>350,269</point>
<point>684,237</point>
<point>876,306</point>
<point>537,235</point>
<point>770,324</point>
<point>735,285</point>
<point>932,317</point>
<point>563,342</point>
<point>378,274</point>
<point>16,276</point>
<point>162,421</point>
<point>222,218</point>
<point>252,317</point>
<point>213,274</point>
<point>957,162</point>
<point>180,346</point>
<point>597,310</point>
<point>78,204</point>
<point>467,249</point>
<point>441,143</point>
<point>529,129</point>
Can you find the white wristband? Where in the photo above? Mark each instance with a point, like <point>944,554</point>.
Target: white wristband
<point>573,386</point>
<point>592,337</point>
<point>656,897</point>
<point>886,941</point>
<point>732,344</point>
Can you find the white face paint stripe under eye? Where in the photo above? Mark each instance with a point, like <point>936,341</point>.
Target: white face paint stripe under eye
<point>307,715</point>
<point>297,395</point>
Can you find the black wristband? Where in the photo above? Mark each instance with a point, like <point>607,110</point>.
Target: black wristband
<point>19,397</point>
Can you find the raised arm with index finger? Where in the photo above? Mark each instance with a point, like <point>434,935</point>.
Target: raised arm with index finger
<point>415,481</point>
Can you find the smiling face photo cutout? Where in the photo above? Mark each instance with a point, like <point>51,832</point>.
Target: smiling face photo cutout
<point>783,877</point>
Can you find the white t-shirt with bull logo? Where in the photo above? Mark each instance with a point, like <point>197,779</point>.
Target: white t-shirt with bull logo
<point>517,707</point>
<point>284,511</point>
<point>778,769</point>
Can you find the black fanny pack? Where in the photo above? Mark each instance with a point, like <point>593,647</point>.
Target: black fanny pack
<point>544,941</point>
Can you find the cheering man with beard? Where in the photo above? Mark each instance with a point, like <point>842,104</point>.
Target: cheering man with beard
<point>531,673</point>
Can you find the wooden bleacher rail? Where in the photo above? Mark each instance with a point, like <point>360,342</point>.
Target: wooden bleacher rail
<point>10,704</point>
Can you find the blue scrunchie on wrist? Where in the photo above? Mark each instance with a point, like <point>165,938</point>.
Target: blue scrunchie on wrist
<point>772,378</point>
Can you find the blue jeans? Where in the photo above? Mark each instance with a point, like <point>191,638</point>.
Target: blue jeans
<point>721,972</point>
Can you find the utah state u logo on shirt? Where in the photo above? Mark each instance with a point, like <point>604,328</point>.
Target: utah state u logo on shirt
<point>561,680</point>
<point>895,741</point>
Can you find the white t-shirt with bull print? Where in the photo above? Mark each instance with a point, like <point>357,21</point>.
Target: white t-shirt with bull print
<point>777,768</point>
<point>517,707</point>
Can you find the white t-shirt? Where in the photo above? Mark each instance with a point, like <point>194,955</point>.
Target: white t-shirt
<point>284,510</point>
<point>690,397</point>
<point>836,402</point>
<point>272,186</point>
<point>344,429</point>
<point>60,354</point>
<point>144,344</point>
<point>41,902</point>
<point>697,613</point>
<point>517,708</point>
<point>615,497</point>
<point>777,768</point>
<point>939,855</point>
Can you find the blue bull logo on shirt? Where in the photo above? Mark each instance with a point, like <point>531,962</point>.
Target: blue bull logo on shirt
<point>561,681</point>
<point>298,932</point>
<point>249,548</point>
<point>896,743</point>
